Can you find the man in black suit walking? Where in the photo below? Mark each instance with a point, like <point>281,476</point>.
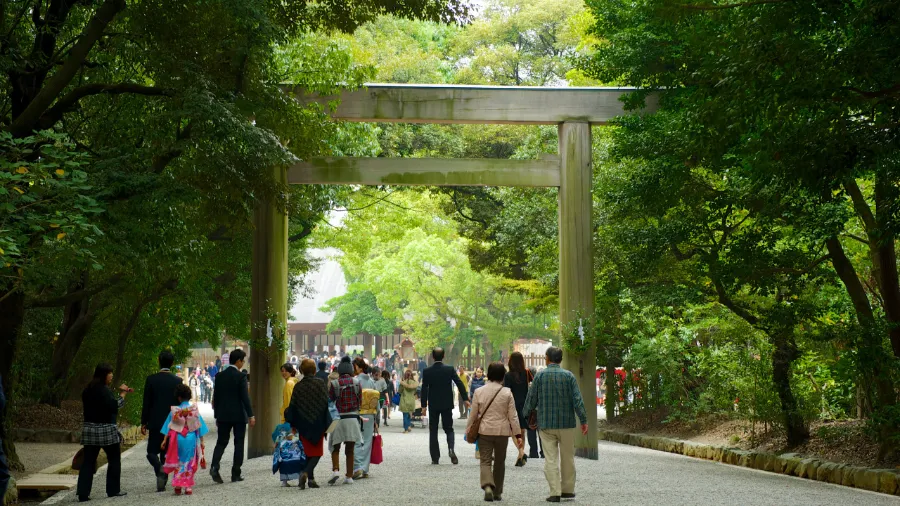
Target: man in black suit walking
<point>437,396</point>
<point>231,405</point>
<point>159,397</point>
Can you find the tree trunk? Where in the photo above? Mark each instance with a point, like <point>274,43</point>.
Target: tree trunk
<point>9,448</point>
<point>488,353</point>
<point>454,352</point>
<point>881,248</point>
<point>612,387</point>
<point>885,201</point>
<point>870,347</point>
<point>12,313</point>
<point>123,341</point>
<point>784,355</point>
<point>77,320</point>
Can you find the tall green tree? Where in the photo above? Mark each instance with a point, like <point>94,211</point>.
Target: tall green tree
<point>175,113</point>
<point>737,110</point>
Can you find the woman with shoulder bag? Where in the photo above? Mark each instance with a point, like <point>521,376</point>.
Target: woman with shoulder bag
<point>100,432</point>
<point>492,422</point>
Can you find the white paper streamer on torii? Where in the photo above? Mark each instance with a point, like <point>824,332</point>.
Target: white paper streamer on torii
<point>269,330</point>
<point>581,331</point>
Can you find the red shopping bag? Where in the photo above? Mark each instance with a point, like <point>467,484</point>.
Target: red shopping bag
<point>377,443</point>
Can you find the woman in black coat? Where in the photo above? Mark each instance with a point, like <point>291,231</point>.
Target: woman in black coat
<point>518,379</point>
<point>100,432</point>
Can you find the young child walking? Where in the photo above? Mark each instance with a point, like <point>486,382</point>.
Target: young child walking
<point>184,430</point>
<point>289,458</point>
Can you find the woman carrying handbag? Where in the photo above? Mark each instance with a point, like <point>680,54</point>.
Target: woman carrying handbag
<point>100,432</point>
<point>492,422</point>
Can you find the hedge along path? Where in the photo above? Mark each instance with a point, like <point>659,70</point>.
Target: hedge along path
<point>885,481</point>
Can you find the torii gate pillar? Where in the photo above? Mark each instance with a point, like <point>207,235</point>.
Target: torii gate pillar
<point>269,301</point>
<point>576,273</point>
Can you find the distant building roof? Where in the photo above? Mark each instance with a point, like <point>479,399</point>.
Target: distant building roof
<point>325,283</point>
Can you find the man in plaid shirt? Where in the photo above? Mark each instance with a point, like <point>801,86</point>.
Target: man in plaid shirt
<point>555,394</point>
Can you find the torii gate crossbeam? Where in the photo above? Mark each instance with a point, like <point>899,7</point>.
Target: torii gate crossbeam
<point>574,110</point>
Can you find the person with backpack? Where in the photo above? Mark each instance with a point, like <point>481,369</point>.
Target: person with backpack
<point>369,409</point>
<point>346,394</point>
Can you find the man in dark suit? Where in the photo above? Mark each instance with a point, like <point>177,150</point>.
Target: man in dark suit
<point>437,396</point>
<point>231,405</point>
<point>159,397</point>
<point>322,374</point>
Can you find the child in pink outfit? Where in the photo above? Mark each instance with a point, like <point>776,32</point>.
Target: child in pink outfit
<point>184,430</point>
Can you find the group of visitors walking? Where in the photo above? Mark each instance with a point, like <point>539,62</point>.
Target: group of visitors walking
<point>201,384</point>
<point>500,409</point>
<point>344,408</point>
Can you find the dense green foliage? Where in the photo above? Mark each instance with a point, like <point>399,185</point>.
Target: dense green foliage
<point>406,266</point>
<point>137,138</point>
<point>745,235</point>
<point>745,231</point>
<point>769,159</point>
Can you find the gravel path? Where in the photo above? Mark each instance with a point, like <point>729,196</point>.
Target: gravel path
<point>624,475</point>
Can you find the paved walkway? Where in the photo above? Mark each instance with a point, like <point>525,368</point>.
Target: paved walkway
<point>624,475</point>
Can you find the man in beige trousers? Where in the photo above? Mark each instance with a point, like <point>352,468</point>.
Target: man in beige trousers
<point>555,394</point>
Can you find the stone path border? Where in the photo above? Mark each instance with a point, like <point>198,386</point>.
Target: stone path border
<point>131,434</point>
<point>885,481</point>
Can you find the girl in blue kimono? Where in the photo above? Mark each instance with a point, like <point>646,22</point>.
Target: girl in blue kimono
<point>184,430</point>
<point>289,458</point>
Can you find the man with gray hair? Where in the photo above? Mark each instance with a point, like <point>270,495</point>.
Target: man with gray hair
<point>554,393</point>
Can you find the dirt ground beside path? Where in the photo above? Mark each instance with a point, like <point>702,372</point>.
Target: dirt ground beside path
<point>844,441</point>
<point>38,456</point>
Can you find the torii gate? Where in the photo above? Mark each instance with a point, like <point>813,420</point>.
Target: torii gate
<point>573,109</point>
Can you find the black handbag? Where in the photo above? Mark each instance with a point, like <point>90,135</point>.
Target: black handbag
<point>532,417</point>
<point>78,461</point>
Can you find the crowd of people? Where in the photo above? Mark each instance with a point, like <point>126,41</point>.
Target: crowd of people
<point>342,405</point>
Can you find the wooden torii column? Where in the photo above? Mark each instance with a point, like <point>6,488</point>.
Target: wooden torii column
<point>268,308</point>
<point>576,266</point>
<point>574,110</point>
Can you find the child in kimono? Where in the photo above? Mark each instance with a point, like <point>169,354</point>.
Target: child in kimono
<point>184,430</point>
<point>289,458</point>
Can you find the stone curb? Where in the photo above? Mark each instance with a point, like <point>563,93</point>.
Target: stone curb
<point>131,434</point>
<point>885,481</point>
<point>99,476</point>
